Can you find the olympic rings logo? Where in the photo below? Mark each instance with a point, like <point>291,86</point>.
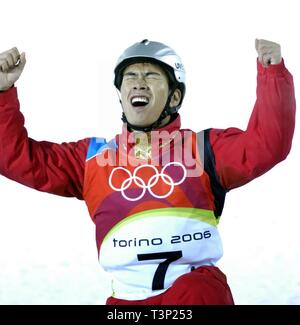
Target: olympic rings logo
<point>153,180</point>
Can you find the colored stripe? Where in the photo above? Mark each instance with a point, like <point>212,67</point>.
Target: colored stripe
<point>191,213</point>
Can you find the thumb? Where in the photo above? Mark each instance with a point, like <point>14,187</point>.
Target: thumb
<point>22,62</point>
<point>14,74</point>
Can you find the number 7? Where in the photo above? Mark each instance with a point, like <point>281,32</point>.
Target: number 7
<point>160,273</point>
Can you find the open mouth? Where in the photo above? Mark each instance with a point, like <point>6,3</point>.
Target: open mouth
<point>139,101</point>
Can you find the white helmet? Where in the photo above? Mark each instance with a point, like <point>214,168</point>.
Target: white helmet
<point>162,55</point>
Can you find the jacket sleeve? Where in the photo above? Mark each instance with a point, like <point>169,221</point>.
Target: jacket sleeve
<point>240,156</point>
<point>44,166</point>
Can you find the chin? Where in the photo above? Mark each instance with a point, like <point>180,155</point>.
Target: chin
<point>141,122</point>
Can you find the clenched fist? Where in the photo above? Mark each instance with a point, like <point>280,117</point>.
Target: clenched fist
<point>268,52</point>
<point>11,67</point>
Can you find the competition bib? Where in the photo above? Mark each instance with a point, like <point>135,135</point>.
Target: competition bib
<point>146,252</point>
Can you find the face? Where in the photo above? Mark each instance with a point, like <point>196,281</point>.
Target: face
<point>144,93</point>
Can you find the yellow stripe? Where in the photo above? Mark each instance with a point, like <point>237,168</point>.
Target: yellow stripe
<point>191,213</point>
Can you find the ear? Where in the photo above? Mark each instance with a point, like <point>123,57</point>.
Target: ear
<point>175,100</point>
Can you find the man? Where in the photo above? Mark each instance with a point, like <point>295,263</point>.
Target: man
<point>155,192</point>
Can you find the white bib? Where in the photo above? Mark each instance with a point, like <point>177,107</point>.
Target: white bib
<point>146,252</point>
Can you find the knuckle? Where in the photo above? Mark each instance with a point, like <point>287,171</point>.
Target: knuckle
<point>14,53</point>
<point>9,58</point>
<point>14,49</point>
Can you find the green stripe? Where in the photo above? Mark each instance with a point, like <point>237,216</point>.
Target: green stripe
<point>190,213</point>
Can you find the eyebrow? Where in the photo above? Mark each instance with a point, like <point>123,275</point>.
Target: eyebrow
<point>131,73</point>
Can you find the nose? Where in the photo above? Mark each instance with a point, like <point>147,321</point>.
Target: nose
<point>140,84</point>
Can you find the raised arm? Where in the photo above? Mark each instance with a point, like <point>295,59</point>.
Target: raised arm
<point>241,156</point>
<point>42,165</point>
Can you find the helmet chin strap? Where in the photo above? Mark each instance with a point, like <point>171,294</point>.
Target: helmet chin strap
<point>167,111</point>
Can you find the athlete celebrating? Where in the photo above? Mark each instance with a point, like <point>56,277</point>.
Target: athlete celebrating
<point>155,192</point>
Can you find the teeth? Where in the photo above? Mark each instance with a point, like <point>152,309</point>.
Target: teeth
<point>139,99</point>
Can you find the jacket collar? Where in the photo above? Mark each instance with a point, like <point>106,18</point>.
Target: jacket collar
<point>138,141</point>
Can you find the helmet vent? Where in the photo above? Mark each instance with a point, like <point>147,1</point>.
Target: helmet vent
<point>145,41</point>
